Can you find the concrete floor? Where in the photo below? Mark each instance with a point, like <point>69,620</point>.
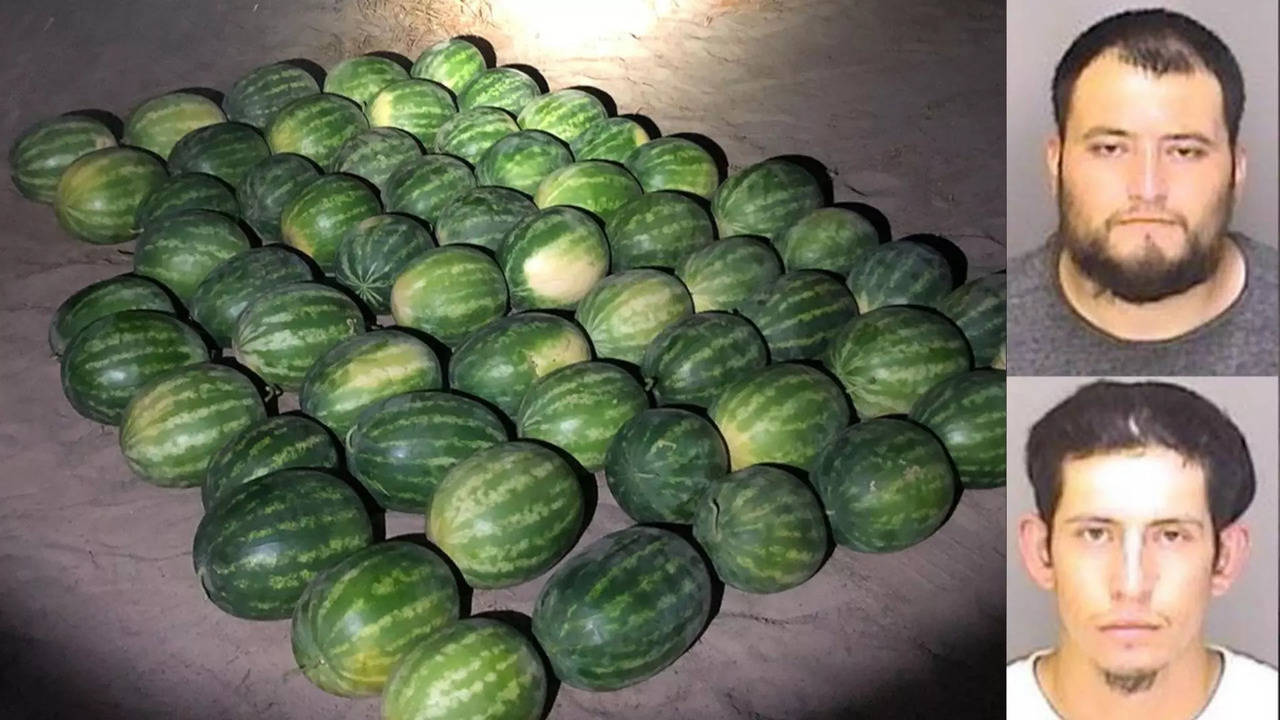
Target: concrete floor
<point>100,613</point>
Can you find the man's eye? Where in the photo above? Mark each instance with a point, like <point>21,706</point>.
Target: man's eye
<point>1172,536</point>
<point>1095,534</point>
<point>1188,153</point>
<point>1105,149</point>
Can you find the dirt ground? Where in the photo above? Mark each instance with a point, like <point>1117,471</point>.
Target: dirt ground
<point>100,612</point>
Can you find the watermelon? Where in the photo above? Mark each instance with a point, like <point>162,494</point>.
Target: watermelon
<point>363,369</point>
<point>657,229</point>
<point>374,252</point>
<point>765,199</point>
<point>623,609</point>
<point>449,292</point>
<point>694,359</point>
<point>723,275</point>
<point>469,133</point>
<point>899,273</point>
<point>889,357</point>
<point>506,514</point>
<point>418,107</point>
<point>998,362</point>
<point>829,238</point>
<point>276,443</point>
<point>188,191</point>
<point>160,122</point>
<point>763,528</point>
<point>623,313</point>
<point>174,424</point>
<point>565,113</point>
<point>799,314</point>
<point>112,357</point>
<point>179,250</point>
<point>318,217</point>
<point>482,217</point>
<point>99,194</point>
<point>978,308</point>
<point>474,668</point>
<point>40,154</point>
<point>225,150</point>
<point>886,485</point>
<point>286,329</point>
<point>552,258</point>
<point>359,79</point>
<point>357,619</point>
<point>502,360</point>
<point>453,63</point>
<point>521,160</point>
<point>375,154</point>
<point>781,414</point>
<point>103,298</point>
<point>674,163</point>
<point>661,461</point>
<point>268,188</point>
<point>503,87</point>
<point>234,283</point>
<point>594,185</point>
<point>580,408</point>
<point>401,447</point>
<point>967,413</point>
<point>315,126</point>
<point>423,186</point>
<point>257,548</point>
<point>260,94</point>
<point>611,139</point>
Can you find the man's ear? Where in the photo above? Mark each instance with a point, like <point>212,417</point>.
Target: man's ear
<point>1033,544</point>
<point>1241,171</point>
<point>1233,550</point>
<point>1052,156</point>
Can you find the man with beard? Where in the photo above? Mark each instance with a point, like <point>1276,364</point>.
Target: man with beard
<point>1143,276</point>
<point>1139,492</point>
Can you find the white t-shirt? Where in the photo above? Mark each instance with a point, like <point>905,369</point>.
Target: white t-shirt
<point>1246,689</point>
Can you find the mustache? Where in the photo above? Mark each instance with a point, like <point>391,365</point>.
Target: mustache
<point>1146,215</point>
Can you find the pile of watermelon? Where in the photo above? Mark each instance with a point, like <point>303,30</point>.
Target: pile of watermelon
<point>479,294</point>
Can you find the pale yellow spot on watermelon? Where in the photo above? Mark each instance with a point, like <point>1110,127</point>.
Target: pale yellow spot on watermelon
<point>563,275</point>
<point>380,110</point>
<point>570,348</point>
<point>741,453</point>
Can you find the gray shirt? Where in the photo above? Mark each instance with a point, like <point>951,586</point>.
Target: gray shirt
<point>1047,337</point>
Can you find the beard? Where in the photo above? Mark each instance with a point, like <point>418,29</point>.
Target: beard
<point>1128,682</point>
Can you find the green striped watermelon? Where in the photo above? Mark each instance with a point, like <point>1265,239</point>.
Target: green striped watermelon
<point>694,359</point>
<point>506,514</point>
<point>234,283</point>
<point>418,107</point>
<point>160,122</point>
<point>658,229</point>
<point>723,275</point>
<point>315,126</point>
<point>594,185</point>
<point>552,258</point>
<point>781,414</point>
<point>260,94</point>
<point>474,668</point>
<point>765,199</point>
<point>257,548</point>
<point>967,413</point>
<point>401,447</point>
<point>424,186</point>
<point>661,461</point>
<point>800,313</point>
<point>829,238</point>
<point>886,485</point>
<point>502,360</point>
<point>899,273</point>
<point>502,87</point>
<point>978,307</point>
<point>363,369</point>
<point>374,252</point>
<point>521,160</point>
<point>449,292</point>
<point>375,154</point>
<point>623,313</point>
<point>580,408</point>
<point>469,133</point>
<point>359,79</point>
<point>674,163</point>
<point>482,217</point>
<point>565,113</point>
<point>188,191</point>
<point>285,330</point>
<point>179,250</point>
<point>763,528</point>
<point>612,139</point>
<point>269,187</point>
<point>276,443</point>
<point>108,361</point>
<point>99,194</point>
<point>318,217</point>
<point>103,298</point>
<point>175,423</point>
<point>452,63</point>
<point>623,609</point>
<point>888,357</point>
<point>358,618</point>
<point>40,154</point>
<point>224,150</point>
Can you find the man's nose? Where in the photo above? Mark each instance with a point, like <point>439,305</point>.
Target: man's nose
<point>1147,176</point>
<point>1134,572</point>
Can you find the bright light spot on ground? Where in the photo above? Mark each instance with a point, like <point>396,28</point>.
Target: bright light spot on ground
<point>575,24</point>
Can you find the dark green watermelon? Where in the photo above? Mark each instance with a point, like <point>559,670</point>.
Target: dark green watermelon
<point>521,160</point>
<point>276,443</point>
<point>610,139</point>
<point>40,154</point>
<point>674,163</point>
<point>596,186</point>
<point>188,191</point>
<point>501,87</point>
<point>657,229</point>
<point>374,252</point>
<point>694,359</point>
<point>282,333</point>
<point>482,217</point>
<point>418,107</point>
<point>552,258</point>
<point>661,461</point>
<point>799,314</point>
<point>269,187</point>
<point>318,217</point>
<point>315,126</point>
<point>453,63</point>
<point>359,79</point>
<point>179,250</point>
<point>103,298</point>
<point>903,272</point>
<point>157,124</point>
<point>424,186</point>
<point>226,151</point>
<point>565,113</point>
<point>234,283</point>
<point>580,408</point>
<point>967,413</point>
<point>623,313</point>
<point>978,308</point>
<point>765,199</point>
<point>725,274</point>
<point>99,194</point>
<point>829,238</point>
<point>257,96</point>
<point>472,131</point>
<point>449,292</point>
<point>375,154</point>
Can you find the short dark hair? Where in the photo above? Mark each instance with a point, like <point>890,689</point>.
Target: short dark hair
<point>1158,41</point>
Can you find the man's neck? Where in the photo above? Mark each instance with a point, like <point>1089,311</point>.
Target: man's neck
<point>1163,319</point>
<point>1078,690</point>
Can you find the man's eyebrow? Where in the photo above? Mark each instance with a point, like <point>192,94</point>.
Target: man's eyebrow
<point>1100,130</point>
<point>1192,136</point>
<point>1101,519</point>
